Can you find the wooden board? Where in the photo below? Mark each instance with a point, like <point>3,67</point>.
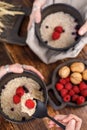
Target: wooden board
<point>13,24</point>
<point>23,55</point>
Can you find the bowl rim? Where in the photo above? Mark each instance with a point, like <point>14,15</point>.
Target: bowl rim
<point>55,78</point>
<point>16,75</point>
<point>38,34</point>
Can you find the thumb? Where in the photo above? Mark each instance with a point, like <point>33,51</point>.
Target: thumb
<point>30,24</point>
<point>71,125</point>
<point>38,16</point>
<point>83,29</point>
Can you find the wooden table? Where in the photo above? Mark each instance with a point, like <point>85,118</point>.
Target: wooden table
<point>23,55</point>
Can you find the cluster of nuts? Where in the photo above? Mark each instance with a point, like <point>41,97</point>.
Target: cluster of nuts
<point>72,84</point>
<point>76,71</point>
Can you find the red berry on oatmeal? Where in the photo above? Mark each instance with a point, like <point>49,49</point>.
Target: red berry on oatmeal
<point>55,35</point>
<point>58,29</point>
<point>29,103</point>
<point>20,91</point>
<point>16,99</point>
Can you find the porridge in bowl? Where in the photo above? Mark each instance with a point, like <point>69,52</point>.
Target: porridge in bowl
<point>28,104</point>
<point>15,92</point>
<point>59,30</point>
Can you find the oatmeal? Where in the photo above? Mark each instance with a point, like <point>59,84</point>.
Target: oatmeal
<point>13,92</point>
<point>69,30</point>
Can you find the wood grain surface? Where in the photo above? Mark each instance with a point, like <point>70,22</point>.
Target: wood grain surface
<point>23,55</point>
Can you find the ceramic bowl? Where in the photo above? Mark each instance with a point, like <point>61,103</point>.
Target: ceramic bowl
<point>58,8</point>
<point>54,97</point>
<point>29,74</point>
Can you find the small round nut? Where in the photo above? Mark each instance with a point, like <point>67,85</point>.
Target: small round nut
<point>64,72</point>
<point>77,67</point>
<point>84,74</point>
<point>75,78</point>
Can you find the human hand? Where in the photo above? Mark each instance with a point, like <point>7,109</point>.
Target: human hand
<point>72,122</point>
<point>36,12</point>
<point>15,68</point>
<point>83,29</point>
<point>31,68</point>
<point>18,68</point>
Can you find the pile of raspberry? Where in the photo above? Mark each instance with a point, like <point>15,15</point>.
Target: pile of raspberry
<point>57,32</point>
<point>72,93</point>
<point>17,98</point>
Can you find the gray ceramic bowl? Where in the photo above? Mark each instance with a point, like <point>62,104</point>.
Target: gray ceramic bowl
<point>5,79</point>
<point>57,8</point>
<point>54,97</point>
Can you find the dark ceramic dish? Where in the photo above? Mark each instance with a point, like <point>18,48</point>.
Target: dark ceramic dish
<point>54,97</point>
<point>28,74</point>
<point>57,8</point>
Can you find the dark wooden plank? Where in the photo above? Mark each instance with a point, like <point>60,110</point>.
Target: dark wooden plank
<point>24,55</point>
<point>4,58</point>
<point>33,125</point>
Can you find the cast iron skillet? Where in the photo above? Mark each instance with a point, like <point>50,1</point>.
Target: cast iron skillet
<point>58,8</point>
<point>54,98</point>
<point>28,74</point>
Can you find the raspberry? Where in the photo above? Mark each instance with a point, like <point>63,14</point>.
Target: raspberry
<point>71,92</point>
<point>82,86</point>
<point>63,81</point>
<point>75,97</point>
<point>29,103</point>
<point>68,86</point>
<point>66,98</point>
<point>80,100</point>
<point>76,89</point>
<point>55,35</point>
<point>63,92</point>
<point>16,99</point>
<point>58,29</point>
<point>59,86</point>
<point>84,92</point>
<point>20,91</point>
<point>67,79</point>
